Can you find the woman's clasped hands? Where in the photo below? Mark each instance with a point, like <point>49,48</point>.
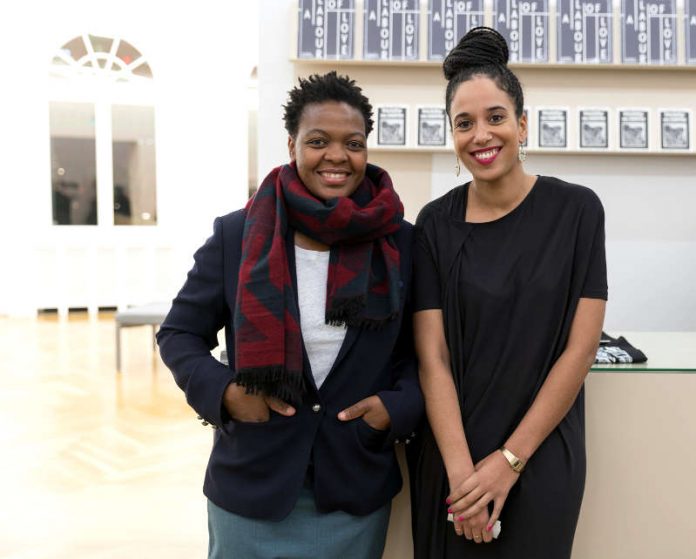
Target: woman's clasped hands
<point>468,500</point>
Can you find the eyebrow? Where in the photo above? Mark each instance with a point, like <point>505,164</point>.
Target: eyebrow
<point>489,109</point>
<point>322,131</point>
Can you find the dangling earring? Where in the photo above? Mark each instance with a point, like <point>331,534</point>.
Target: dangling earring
<point>457,168</point>
<point>522,153</point>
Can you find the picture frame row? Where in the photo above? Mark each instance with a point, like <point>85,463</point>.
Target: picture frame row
<point>549,128</point>
<point>584,29</point>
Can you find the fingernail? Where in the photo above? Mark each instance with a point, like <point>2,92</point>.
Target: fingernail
<point>449,510</point>
<point>460,518</point>
<point>489,527</point>
<point>448,501</point>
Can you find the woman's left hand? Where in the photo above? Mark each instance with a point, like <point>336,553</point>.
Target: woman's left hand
<point>491,481</point>
<point>372,410</point>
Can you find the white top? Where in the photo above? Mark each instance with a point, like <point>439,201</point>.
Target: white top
<point>322,341</point>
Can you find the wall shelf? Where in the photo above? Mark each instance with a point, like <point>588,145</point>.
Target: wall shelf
<point>535,152</point>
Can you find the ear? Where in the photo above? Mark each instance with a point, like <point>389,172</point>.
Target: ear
<point>291,148</point>
<point>523,130</point>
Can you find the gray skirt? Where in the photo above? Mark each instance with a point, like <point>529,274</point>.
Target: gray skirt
<point>305,533</point>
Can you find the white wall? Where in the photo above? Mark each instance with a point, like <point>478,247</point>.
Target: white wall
<point>201,56</point>
<point>276,78</point>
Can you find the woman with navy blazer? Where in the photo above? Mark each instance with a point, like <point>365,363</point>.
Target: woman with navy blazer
<point>311,282</point>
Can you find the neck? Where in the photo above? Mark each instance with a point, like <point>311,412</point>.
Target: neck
<point>504,193</point>
<point>490,200</point>
<point>307,243</point>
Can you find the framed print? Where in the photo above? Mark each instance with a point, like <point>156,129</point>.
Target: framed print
<point>584,31</point>
<point>648,32</point>
<point>674,129</point>
<point>391,126</point>
<point>525,26</point>
<point>553,128</point>
<point>690,23</point>
<point>594,128</point>
<point>391,29</point>
<point>326,30</point>
<point>432,126</point>
<point>448,22</point>
<point>633,128</point>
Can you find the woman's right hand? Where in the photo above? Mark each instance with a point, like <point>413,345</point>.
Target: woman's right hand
<point>474,528</point>
<point>252,408</point>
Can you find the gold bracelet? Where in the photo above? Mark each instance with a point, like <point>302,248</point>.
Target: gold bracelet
<point>515,463</point>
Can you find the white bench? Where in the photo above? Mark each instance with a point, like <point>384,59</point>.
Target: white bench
<point>139,315</point>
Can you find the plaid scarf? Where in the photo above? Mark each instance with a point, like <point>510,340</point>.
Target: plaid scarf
<point>363,279</point>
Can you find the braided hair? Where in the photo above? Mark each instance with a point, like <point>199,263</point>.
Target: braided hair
<point>321,89</point>
<point>481,52</point>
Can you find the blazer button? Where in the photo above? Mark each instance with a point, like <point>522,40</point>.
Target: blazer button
<point>316,408</point>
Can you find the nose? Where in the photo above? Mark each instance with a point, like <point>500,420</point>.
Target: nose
<point>335,151</point>
<point>483,134</point>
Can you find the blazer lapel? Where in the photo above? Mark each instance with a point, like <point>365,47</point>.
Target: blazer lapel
<point>351,335</point>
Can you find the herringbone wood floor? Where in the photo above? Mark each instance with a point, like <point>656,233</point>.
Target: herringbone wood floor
<point>95,464</point>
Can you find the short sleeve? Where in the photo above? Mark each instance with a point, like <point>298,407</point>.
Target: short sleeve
<point>426,279</point>
<point>595,284</point>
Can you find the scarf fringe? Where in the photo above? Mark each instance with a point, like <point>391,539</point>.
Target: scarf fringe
<point>367,323</point>
<point>274,381</point>
<point>347,312</point>
<point>344,310</point>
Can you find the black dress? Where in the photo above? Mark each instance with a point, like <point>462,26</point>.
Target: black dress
<point>508,290</point>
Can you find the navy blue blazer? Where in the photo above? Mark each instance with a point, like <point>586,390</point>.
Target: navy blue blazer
<point>258,469</point>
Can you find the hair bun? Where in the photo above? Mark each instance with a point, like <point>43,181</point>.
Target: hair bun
<point>481,46</point>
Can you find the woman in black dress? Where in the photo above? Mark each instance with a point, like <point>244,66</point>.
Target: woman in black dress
<point>510,288</point>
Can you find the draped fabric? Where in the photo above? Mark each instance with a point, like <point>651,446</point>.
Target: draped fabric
<point>363,279</point>
<point>508,290</point>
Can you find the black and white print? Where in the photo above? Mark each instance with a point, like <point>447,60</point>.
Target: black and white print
<point>448,21</point>
<point>633,128</point>
<point>326,29</point>
<point>391,126</point>
<point>392,28</point>
<point>432,126</point>
<point>584,30</point>
<point>674,129</point>
<point>553,128</point>
<point>594,128</point>
<point>649,31</point>
<point>525,26</point>
<point>690,24</point>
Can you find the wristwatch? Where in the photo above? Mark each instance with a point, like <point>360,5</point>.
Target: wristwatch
<point>515,463</point>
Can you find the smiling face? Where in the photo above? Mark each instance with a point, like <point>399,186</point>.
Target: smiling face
<point>330,149</point>
<point>486,131</point>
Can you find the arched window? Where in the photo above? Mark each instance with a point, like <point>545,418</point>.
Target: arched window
<point>90,55</point>
<point>102,128</point>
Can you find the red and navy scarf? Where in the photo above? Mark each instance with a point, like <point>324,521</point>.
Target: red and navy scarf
<point>363,281</point>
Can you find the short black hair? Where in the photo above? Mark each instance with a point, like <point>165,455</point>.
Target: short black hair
<point>320,89</point>
<point>482,52</point>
